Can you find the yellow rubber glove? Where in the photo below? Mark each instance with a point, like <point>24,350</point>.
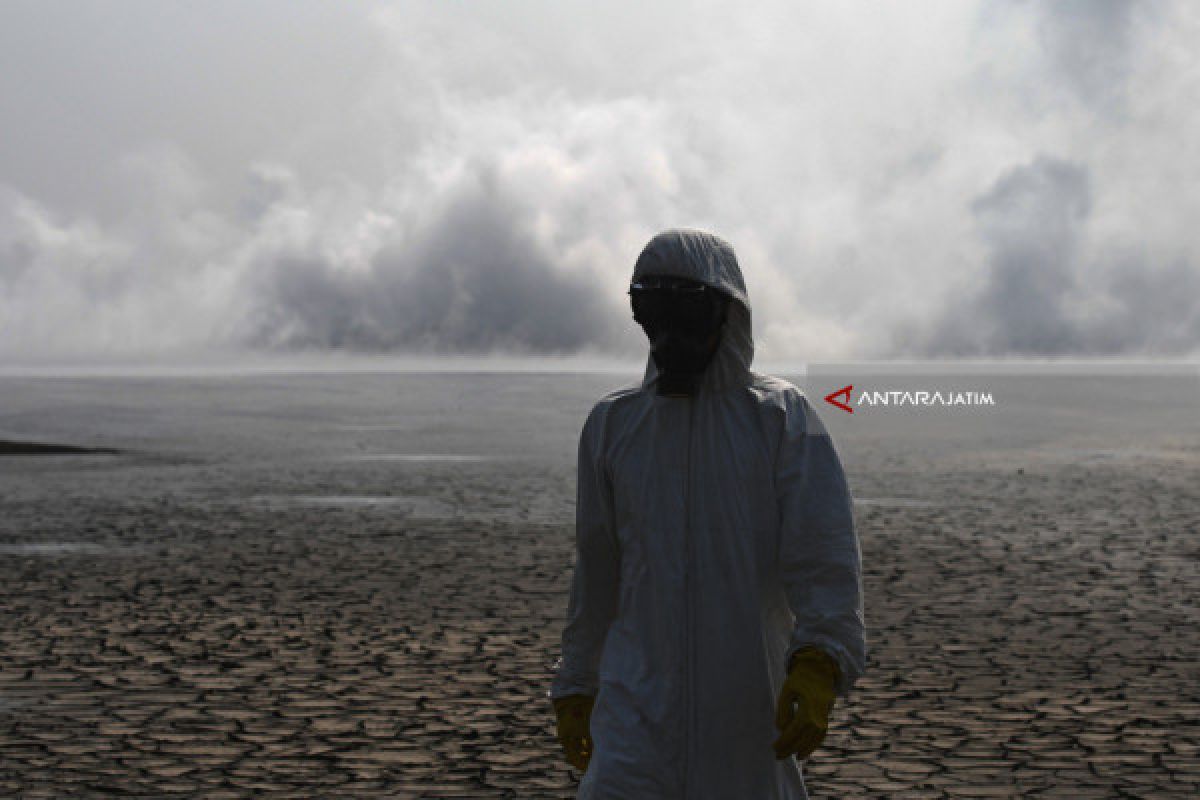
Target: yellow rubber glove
<point>807,697</point>
<point>574,733</point>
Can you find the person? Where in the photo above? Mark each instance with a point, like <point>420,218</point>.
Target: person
<point>716,608</point>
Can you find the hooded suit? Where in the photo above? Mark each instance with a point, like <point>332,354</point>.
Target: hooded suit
<point>714,538</point>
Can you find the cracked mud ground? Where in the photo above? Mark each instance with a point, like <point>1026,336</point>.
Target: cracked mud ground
<point>175,626</point>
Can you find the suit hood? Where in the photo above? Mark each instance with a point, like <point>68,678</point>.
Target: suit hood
<point>709,259</point>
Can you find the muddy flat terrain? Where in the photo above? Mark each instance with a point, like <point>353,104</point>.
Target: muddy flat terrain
<point>354,586</point>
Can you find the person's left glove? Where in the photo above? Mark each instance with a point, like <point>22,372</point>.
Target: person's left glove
<point>807,697</point>
<point>574,714</point>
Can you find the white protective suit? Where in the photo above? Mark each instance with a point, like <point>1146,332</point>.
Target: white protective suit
<point>714,538</point>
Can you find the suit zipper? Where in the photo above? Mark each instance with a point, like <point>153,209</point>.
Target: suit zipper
<point>687,599</point>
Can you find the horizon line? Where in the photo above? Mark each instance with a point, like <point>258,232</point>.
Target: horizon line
<point>340,363</point>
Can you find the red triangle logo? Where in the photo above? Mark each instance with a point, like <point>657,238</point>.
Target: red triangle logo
<point>844,391</point>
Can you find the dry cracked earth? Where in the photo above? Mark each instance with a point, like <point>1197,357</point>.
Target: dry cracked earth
<point>180,628</point>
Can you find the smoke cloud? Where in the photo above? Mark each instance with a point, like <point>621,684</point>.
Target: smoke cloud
<point>1042,295</point>
<point>979,179</point>
<point>474,281</point>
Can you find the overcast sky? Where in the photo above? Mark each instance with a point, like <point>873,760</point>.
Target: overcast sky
<point>916,179</point>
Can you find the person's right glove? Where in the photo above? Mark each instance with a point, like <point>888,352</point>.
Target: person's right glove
<point>574,714</point>
<point>807,697</point>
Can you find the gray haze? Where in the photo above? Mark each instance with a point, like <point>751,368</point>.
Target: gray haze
<point>927,179</point>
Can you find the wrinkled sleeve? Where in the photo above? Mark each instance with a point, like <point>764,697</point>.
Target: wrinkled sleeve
<point>821,563</point>
<point>593,597</point>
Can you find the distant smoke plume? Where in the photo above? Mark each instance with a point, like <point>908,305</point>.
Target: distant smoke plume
<point>475,281</point>
<point>1040,296</point>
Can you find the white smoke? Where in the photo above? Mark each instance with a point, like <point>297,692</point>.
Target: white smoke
<point>966,179</point>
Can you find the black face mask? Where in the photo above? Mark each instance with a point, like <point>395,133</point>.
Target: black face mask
<point>683,321</point>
